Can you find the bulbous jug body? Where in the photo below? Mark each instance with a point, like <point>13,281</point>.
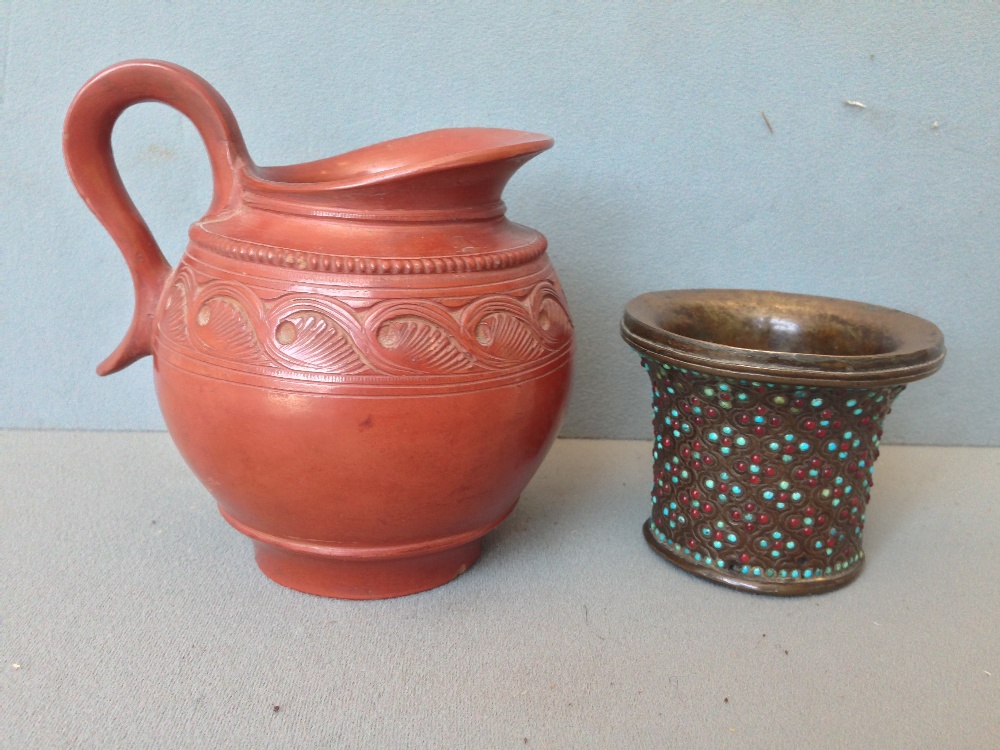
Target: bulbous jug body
<point>362,358</point>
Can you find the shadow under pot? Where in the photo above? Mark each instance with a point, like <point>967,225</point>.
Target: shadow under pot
<point>767,413</point>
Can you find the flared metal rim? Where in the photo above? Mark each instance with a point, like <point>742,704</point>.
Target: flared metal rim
<point>914,349</point>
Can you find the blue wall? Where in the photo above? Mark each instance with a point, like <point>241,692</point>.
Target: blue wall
<point>664,173</point>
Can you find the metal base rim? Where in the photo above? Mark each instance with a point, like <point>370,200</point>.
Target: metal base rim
<point>785,587</point>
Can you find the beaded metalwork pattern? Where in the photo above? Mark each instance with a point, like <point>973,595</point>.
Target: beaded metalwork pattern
<point>765,481</point>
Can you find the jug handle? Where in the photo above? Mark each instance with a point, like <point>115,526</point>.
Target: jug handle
<point>91,164</point>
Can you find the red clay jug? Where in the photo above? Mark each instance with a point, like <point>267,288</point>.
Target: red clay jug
<point>361,358</point>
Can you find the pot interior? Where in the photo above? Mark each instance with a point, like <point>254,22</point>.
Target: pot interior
<point>805,331</point>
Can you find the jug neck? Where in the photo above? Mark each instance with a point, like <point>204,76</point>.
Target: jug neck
<point>454,174</point>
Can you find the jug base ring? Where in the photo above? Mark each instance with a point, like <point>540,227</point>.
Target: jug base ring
<point>364,572</point>
<point>363,578</point>
<point>756,586</point>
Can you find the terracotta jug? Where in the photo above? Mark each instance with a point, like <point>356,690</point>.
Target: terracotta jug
<point>361,358</point>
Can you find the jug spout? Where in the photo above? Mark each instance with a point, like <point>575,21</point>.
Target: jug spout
<point>457,172</point>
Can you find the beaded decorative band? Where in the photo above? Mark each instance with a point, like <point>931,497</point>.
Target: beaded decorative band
<point>302,260</point>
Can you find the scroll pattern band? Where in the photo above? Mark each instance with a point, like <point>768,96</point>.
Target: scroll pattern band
<point>228,323</point>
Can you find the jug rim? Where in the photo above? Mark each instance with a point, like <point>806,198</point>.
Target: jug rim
<point>399,158</point>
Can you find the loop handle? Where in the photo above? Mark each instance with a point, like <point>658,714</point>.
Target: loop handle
<point>91,164</point>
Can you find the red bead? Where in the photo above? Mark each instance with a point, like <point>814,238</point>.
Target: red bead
<point>708,460</point>
<point>793,522</point>
<point>744,557</point>
<point>692,543</point>
<point>708,507</point>
<point>718,535</point>
<point>812,481</point>
<point>763,518</point>
<point>760,410</point>
<point>816,462</point>
<point>695,513</point>
<point>756,458</point>
<point>735,515</point>
<point>800,473</point>
<point>807,531</point>
<point>750,507</point>
<point>749,527</point>
<point>755,479</point>
<point>759,430</point>
<point>743,418</point>
<point>770,471</point>
<point>809,424</point>
<point>740,466</point>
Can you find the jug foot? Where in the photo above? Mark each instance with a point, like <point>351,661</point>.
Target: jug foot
<point>365,577</point>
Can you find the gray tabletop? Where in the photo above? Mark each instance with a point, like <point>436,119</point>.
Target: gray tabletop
<point>131,615</point>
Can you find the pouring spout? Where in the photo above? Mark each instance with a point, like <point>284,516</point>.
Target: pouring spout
<point>455,169</point>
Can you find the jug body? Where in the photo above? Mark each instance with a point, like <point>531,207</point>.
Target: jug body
<point>364,426</point>
<point>362,359</point>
